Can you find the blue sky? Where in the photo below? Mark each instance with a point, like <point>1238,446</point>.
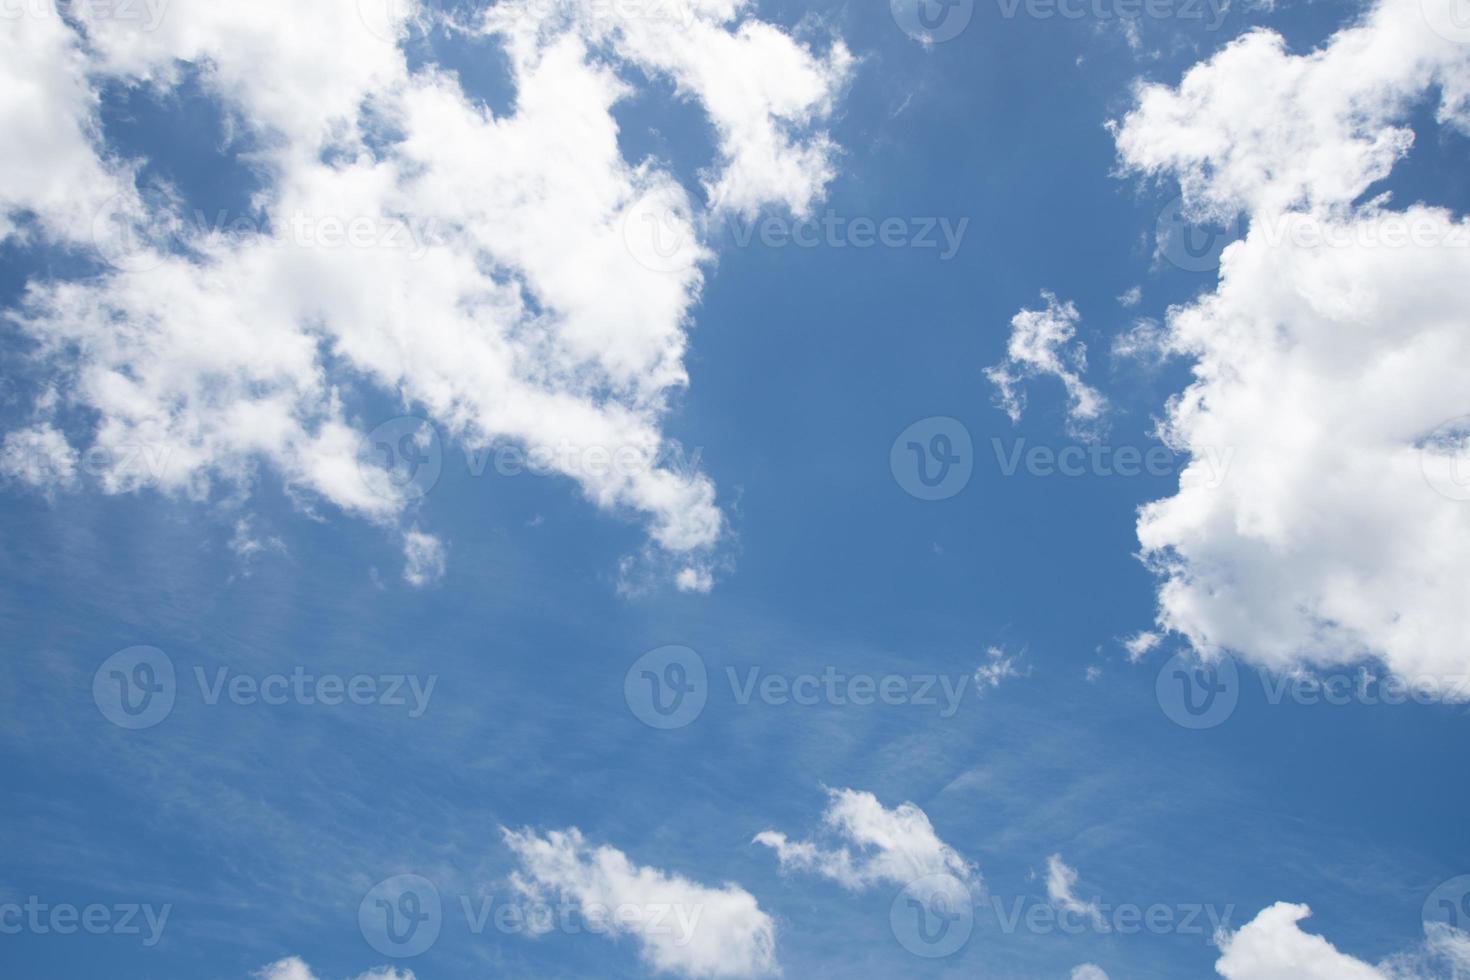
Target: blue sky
<point>494,621</point>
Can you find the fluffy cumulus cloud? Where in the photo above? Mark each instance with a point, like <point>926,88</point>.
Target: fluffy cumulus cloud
<point>513,277</point>
<point>865,844</point>
<point>294,969</point>
<point>1088,971</point>
<point>1329,360</point>
<point>1043,343</point>
<point>681,927</point>
<point>1273,946</point>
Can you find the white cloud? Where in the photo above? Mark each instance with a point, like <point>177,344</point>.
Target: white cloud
<point>424,559</point>
<point>294,969</point>
<point>997,668</point>
<point>1326,362</point>
<point>39,456</point>
<point>1141,645</point>
<point>48,107</point>
<point>1088,971</point>
<point>248,543</point>
<point>870,845</point>
<point>484,271</point>
<point>1043,343</point>
<point>1131,298</point>
<point>1061,890</point>
<point>1260,130</point>
<point>1145,342</point>
<point>1273,947</point>
<point>680,926</point>
<point>694,580</point>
